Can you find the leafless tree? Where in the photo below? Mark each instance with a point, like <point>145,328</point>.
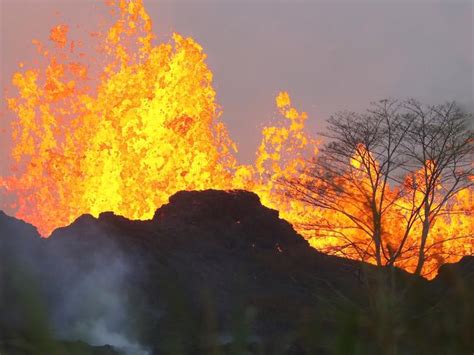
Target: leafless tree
<point>352,173</point>
<point>361,173</point>
<point>439,148</point>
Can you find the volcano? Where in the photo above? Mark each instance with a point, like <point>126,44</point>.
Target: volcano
<point>213,272</point>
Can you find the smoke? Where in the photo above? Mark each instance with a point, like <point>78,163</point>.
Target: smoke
<point>95,307</point>
<point>82,287</point>
<point>98,333</point>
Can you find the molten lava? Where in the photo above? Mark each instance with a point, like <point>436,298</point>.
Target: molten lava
<point>125,128</point>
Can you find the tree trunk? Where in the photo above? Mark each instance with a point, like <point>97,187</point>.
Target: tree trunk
<point>377,237</point>
<point>424,236</point>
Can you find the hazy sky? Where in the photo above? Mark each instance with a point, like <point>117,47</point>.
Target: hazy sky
<point>330,55</point>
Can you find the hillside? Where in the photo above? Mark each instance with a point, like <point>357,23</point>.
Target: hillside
<point>215,272</point>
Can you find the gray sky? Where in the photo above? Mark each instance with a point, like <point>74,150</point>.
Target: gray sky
<point>329,55</point>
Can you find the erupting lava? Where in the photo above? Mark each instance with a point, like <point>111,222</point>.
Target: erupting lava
<point>123,130</point>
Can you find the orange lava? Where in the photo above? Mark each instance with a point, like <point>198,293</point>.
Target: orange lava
<point>126,128</point>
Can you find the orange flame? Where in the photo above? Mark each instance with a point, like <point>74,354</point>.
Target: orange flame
<point>124,132</point>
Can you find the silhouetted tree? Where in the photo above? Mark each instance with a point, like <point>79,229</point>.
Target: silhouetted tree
<point>351,175</point>
<point>439,148</point>
<point>375,162</point>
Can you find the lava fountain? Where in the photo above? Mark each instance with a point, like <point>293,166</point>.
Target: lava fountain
<point>126,127</point>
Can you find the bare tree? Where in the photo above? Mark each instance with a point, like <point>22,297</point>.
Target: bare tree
<point>439,148</point>
<point>352,173</point>
<point>396,157</point>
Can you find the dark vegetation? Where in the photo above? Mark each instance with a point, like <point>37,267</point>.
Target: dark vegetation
<point>216,273</point>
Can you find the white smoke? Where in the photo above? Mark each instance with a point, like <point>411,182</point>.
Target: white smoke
<point>94,305</point>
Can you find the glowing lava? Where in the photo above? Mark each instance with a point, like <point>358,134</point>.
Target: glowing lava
<point>124,129</point>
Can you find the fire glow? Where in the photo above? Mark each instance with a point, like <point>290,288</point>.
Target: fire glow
<point>124,132</point>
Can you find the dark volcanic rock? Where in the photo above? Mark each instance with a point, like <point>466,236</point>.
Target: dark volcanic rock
<point>211,270</point>
<point>464,268</point>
